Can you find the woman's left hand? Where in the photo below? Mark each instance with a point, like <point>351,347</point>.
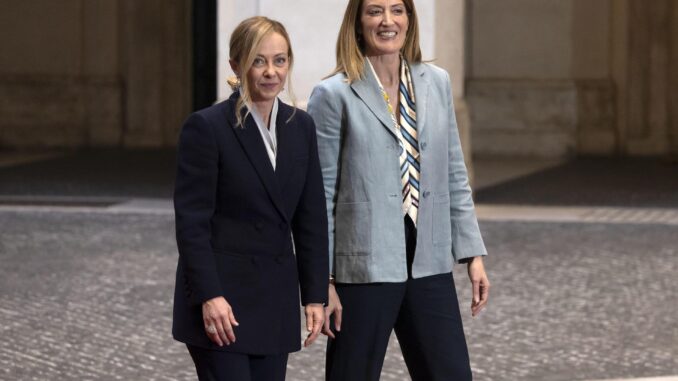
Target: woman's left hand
<point>480,283</point>
<point>315,317</point>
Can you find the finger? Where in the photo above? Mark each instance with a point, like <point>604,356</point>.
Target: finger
<point>476,291</point>
<point>309,320</point>
<point>483,301</point>
<point>476,309</point>
<point>311,338</point>
<point>318,321</point>
<point>212,334</point>
<point>231,317</point>
<point>228,330</point>
<point>217,336</point>
<point>326,326</point>
<point>337,318</point>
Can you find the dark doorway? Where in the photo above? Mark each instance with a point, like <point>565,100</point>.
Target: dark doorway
<point>204,53</point>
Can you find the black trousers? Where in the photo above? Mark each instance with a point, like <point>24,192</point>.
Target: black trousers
<point>225,366</point>
<point>423,312</point>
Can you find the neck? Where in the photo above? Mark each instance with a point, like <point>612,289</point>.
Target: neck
<point>264,109</point>
<point>387,67</point>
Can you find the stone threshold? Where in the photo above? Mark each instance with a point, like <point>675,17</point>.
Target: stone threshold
<point>667,378</point>
<point>157,206</point>
<point>621,215</point>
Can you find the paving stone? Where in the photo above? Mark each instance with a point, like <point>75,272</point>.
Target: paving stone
<point>88,296</point>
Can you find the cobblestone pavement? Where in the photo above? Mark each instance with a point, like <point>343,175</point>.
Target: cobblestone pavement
<point>88,296</point>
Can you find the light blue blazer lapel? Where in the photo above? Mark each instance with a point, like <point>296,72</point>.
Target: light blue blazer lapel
<point>421,83</point>
<point>367,90</point>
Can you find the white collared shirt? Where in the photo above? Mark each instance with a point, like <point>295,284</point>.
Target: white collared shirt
<point>267,132</point>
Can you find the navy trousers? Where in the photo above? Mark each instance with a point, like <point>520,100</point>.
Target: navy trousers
<point>423,312</point>
<point>225,366</point>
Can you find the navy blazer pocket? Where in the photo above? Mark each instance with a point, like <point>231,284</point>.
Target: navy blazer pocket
<point>353,221</point>
<point>237,269</point>
<point>442,223</point>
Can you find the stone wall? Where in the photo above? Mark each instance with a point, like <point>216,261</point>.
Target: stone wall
<point>539,79</point>
<point>559,78</point>
<point>83,73</point>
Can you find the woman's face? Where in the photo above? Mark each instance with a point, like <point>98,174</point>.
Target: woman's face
<point>268,72</point>
<point>383,26</point>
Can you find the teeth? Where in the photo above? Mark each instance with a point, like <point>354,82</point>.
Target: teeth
<point>387,34</point>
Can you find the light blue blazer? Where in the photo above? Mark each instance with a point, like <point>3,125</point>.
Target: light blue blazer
<point>358,151</point>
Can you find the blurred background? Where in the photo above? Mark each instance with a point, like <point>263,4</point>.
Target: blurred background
<point>568,113</point>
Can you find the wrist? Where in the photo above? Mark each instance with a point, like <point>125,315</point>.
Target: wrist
<point>468,260</point>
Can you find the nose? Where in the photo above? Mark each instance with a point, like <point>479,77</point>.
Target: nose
<point>388,17</point>
<point>269,71</point>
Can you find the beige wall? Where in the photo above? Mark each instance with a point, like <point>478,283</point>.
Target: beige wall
<point>520,39</point>
<point>26,26</point>
<point>539,82</point>
<point>590,39</point>
<point>93,72</point>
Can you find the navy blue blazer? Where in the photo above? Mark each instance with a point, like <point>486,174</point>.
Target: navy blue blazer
<point>239,225</point>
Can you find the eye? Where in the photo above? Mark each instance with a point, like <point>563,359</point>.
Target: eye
<point>280,61</point>
<point>374,12</point>
<point>398,11</point>
<point>258,62</point>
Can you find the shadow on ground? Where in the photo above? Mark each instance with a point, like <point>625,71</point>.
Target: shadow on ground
<point>638,182</point>
<point>89,173</point>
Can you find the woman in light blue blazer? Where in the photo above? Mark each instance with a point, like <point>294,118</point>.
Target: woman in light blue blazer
<point>398,200</point>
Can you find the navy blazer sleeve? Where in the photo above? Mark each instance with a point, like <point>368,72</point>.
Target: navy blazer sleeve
<point>194,205</point>
<point>309,228</point>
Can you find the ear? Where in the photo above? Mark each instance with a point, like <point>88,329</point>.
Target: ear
<point>234,67</point>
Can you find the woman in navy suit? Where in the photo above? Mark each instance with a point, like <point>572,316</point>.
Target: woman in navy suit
<point>251,222</point>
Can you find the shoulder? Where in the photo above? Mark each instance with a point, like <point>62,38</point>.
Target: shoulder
<point>201,124</point>
<point>436,73</point>
<point>334,84</point>
<point>216,113</point>
<point>296,116</point>
<point>328,95</point>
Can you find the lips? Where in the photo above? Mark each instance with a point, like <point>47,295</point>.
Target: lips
<point>387,34</point>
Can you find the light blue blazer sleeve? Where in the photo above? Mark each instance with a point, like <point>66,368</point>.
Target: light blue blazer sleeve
<point>466,238</point>
<point>327,115</point>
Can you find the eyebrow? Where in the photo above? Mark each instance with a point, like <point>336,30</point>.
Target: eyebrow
<point>382,7</point>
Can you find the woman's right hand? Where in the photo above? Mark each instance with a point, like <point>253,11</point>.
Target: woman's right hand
<point>218,317</point>
<point>333,307</point>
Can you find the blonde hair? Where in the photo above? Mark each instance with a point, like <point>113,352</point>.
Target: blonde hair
<point>351,49</point>
<point>244,44</point>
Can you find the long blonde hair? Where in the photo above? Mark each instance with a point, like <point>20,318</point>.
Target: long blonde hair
<point>244,44</point>
<point>351,49</point>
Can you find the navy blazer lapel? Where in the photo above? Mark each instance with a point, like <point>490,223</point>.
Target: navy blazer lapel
<point>284,139</point>
<point>367,90</point>
<point>421,83</point>
<point>252,143</point>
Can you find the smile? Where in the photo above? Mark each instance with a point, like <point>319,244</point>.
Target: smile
<point>387,34</point>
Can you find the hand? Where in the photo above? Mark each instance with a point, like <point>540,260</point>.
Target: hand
<point>218,317</point>
<point>333,307</point>
<point>315,317</point>
<point>480,283</point>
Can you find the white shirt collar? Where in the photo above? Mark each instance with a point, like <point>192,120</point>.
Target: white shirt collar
<point>268,133</point>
